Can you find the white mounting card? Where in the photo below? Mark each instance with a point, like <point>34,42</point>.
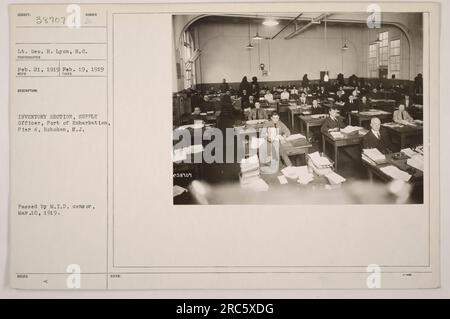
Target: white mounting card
<point>97,92</point>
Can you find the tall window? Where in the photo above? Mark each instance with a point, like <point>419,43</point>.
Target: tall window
<point>394,58</point>
<point>384,49</point>
<point>189,67</point>
<point>373,61</point>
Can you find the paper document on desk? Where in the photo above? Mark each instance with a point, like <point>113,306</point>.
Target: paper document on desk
<point>350,129</point>
<point>375,155</point>
<point>392,124</point>
<point>294,137</point>
<point>409,152</point>
<point>319,160</point>
<point>178,190</point>
<point>282,179</point>
<point>416,161</point>
<point>396,173</point>
<point>337,135</point>
<point>253,122</point>
<point>317,116</point>
<point>335,178</point>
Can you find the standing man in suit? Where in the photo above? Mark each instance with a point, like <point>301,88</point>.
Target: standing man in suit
<point>377,138</point>
<point>333,123</point>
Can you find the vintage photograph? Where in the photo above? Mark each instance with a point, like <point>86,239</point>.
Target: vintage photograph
<point>298,108</point>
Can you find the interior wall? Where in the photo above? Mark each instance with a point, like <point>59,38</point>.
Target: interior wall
<point>223,41</point>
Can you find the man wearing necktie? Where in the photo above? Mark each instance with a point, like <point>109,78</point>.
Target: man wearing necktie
<point>401,115</point>
<point>377,138</point>
<point>333,123</point>
<point>257,113</point>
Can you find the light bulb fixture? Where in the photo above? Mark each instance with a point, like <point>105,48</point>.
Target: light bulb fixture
<point>257,36</point>
<point>270,22</point>
<point>326,78</point>
<point>249,45</point>
<point>377,40</point>
<point>344,40</point>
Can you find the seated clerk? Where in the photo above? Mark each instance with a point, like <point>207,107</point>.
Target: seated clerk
<point>340,97</point>
<point>316,108</point>
<point>407,101</point>
<point>268,96</point>
<point>322,93</point>
<point>303,100</point>
<point>364,104</point>
<point>224,86</point>
<point>284,95</point>
<point>375,94</point>
<point>225,100</point>
<point>197,101</point>
<point>254,90</point>
<point>294,90</point>
<point>211,91</point>
<point>196,116</point>
<point>257,113</point>
<point>356,92</point>
<point>333,123</point>
<point>251,101</point>
<point>245,99</point>
<point>350,105</point>
<point>401,116</point>
<point>377,138</point>
<point>276,123</point>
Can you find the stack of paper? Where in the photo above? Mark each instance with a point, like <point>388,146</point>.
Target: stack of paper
<point>349,129</point>
<point>335,178</point>
<point>396,173</point>
<point>304,176</point>
<point>318,116</point>
<point>249,170</point>
<point>321,165</point>
<point>319,161</point>
<point>392,124</point>
<point>408,152</point>
<point>253,122</point>
<point>337,135</point>
<point>295,137</point>
<point>416,161</point>
<point>178,190</point>
<point>282,179</point>
<point>295,171</point>
<point>373,156</point>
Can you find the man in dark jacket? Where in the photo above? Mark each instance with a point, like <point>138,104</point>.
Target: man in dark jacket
<point>377,138</point>
<point>333,123</point>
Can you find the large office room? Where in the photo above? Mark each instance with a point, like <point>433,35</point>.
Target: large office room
<point>298,108</point>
